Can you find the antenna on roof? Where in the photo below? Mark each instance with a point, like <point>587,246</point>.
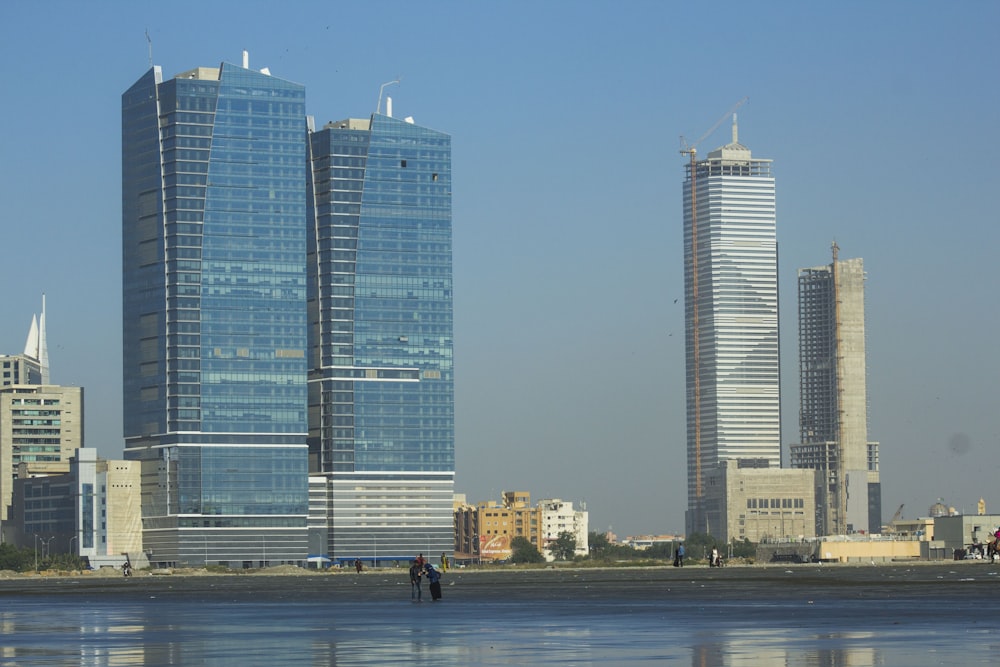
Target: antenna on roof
<point>378,107</point>
<point>150,43</point>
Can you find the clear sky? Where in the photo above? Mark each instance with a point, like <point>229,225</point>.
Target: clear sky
<point>565,118</point>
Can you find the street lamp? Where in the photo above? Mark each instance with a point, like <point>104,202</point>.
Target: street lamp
<point>48,545</point>
<point>36,552</point>
<point>71,540</point>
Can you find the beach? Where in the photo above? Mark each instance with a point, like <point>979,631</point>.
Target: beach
<point>913,614</point>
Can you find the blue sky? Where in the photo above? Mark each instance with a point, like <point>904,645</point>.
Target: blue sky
<point>565,118</point>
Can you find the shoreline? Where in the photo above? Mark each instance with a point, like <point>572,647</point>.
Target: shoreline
<point>295,571</point>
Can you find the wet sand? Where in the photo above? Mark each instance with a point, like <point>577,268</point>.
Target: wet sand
<point>913,614</point>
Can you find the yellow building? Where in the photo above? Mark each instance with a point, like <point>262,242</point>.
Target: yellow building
<point>486,530</point>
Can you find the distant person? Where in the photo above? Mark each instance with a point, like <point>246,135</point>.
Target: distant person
<point>715,558</point>
<point>420,561</point>
<point>357,565</point>
<point>444,562</point>
<point>434,577</point>
<point>680,555</point>
<point>415,574</point>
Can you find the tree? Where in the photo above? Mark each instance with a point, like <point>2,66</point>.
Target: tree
<point>599,545</point>
<point>660,550</point>
<point>523,551</point>
<point>744,549</point>
<point>12,558</point>
<point>564,546</point>
<point>699,545</point>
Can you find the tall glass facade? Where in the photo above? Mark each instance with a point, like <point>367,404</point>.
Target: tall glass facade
<point>731,318</point>
<point>214,306</point>
<point>381,374</point>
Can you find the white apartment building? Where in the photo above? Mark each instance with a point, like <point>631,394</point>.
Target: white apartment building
<point>559,516</point>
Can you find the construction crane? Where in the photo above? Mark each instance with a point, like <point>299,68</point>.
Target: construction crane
<point>897,515</point>
<point>691,150</point>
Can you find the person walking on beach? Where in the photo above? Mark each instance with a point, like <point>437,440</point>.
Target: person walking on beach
<point>415,573</point>
<point>444,562</point>
<point>680,555</point>
<point>357,565</point>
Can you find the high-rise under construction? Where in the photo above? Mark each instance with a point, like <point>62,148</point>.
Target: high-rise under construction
<point>833,421</point>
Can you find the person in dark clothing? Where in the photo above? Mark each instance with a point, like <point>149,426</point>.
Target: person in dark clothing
<point>357,565</point>
<point>434,577</point>
<point>415,574</point>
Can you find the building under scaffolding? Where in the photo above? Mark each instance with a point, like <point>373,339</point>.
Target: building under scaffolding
<point>833,417</point>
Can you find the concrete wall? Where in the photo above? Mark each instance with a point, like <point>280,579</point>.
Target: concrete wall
<point>864,552</point>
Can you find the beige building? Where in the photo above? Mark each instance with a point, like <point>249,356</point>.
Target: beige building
<point>39,425</point>
<point>92,511</point>
<point>745,499</point>
<point>19,369</point>
<point>485,531</point>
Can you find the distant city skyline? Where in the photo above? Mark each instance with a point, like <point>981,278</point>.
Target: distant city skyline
<point>568,255</point>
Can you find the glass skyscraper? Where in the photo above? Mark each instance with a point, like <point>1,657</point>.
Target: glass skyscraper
<point>731,318</point>
<point>381,379</point>
<point>214,313</point>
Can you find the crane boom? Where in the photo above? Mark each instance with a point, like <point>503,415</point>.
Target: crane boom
<point>687,148</point>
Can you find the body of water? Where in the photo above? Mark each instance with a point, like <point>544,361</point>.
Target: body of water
<point>801,615</point>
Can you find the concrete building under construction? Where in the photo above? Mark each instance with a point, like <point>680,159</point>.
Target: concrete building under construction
<point>833,417</point>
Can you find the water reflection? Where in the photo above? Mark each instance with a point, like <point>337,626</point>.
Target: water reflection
<point>773,647</point>
<point>704,623</point>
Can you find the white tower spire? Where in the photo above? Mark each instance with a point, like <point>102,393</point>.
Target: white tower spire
<point>43,347</point>
<point>35,346</point>
<point>31,344</point>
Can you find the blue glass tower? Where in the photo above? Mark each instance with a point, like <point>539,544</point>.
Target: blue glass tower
<point>381,383</point>
<point>214,310</point>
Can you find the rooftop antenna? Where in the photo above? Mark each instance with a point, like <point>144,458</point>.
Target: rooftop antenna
<point>378,107</point>
<point>150,43</point>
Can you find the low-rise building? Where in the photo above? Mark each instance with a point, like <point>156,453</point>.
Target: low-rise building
<point>964,530</point>
<point>486,531</point>
<point>39,425</point>
<point>746,500</point>
<point>92,511</point>
<point>643,542</point>
<point>558,517</point>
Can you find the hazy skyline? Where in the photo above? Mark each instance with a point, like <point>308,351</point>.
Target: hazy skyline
<point>569,334</point>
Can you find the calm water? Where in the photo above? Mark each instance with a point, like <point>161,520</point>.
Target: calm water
<point>801,615</point>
